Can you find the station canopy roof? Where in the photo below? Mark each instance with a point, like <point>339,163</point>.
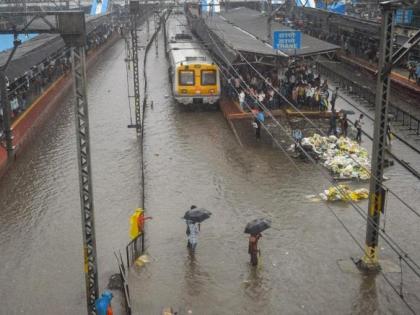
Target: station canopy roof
<point>246,30</point>
<point>237,39</point>
<point>35,50</point>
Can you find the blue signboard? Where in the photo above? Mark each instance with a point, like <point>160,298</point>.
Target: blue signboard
<point>288,39</point>
<point>99,7</point>
<point>403,16</point>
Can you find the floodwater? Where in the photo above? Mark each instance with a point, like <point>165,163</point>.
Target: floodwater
<point>40,224</point>
<point>192,157</point>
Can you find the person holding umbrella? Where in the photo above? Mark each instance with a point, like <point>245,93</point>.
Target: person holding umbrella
<point>193,218</point>
<point>254,228</point>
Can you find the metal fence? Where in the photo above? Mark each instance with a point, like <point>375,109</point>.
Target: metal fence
<point>134,249</point>
<point>124,279</point>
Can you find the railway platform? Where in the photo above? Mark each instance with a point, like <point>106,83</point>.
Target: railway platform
<point>232,111</point>
<point>363,84</point>
<point>397,77</point>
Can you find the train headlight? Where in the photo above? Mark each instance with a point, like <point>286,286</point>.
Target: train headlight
<point>211,91</point>
<point>184,91</point>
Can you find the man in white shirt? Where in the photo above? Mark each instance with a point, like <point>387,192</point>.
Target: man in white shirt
<point>242,99</point>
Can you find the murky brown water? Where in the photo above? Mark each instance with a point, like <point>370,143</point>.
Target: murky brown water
<point>40,234</point>
<point>192,157</point>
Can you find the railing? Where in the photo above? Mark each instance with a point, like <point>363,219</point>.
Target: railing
<point>134,249</point>
<point>399,115</point>
<point>125,288</point>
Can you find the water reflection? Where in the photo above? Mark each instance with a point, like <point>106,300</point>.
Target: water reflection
<point>366,301</point>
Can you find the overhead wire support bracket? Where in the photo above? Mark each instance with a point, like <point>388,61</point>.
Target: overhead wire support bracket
<point>377,194</point>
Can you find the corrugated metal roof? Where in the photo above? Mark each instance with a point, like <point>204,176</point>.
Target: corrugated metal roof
<point>236,38</point>
<point>255,23</point>
<point>37,49</point>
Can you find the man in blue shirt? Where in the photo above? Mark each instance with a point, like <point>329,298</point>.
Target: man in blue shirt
<point>259,119</point>
<point>418,73</point>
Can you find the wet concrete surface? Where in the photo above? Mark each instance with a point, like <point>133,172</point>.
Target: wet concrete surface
<point>191,157</point>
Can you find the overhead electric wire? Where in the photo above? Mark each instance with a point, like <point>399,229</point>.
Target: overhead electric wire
<point>317,128</point>
<point>360,211</point>
<point>416,212</point>
<point>334,214</point>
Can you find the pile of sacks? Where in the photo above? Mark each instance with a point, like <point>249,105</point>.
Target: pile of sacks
<point>344,193</point>
<point>344,157</point>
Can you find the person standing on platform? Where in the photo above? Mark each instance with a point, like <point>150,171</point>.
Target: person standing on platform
<point>334,98</point>
<point>411,72</point>
<point>259,120</point>
<point>253,248</point>
<point>344,125</point>
<point>418,73</point>
<point>388,133</point>
<point>242,99</point>
<point>358,125</point>
<point>333,124</point>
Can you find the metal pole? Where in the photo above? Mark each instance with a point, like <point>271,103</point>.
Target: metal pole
<point>377,193</point>
<point>269,17</point>
<point>135,59</point>
<point>85,177</point>
<point>6,115</point>
<point>157,17</point>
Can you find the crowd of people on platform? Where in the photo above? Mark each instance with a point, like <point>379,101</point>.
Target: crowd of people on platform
<point>300,84</point>
<point>414,72</point>
<point>24,90</point>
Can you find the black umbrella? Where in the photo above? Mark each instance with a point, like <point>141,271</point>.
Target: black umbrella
<point>257,226</point>
<point>197,215</point>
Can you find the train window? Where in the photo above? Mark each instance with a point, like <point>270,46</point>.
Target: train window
<point>208,77</point>
<point>186,77</point>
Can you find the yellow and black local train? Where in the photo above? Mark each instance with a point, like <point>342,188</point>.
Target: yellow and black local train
<point>194,76</point>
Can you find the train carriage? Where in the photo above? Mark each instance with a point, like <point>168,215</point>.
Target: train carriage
<point>194,76</point>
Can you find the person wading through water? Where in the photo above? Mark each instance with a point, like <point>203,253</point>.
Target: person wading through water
<point>192,231</point>
<point>253,248</point>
